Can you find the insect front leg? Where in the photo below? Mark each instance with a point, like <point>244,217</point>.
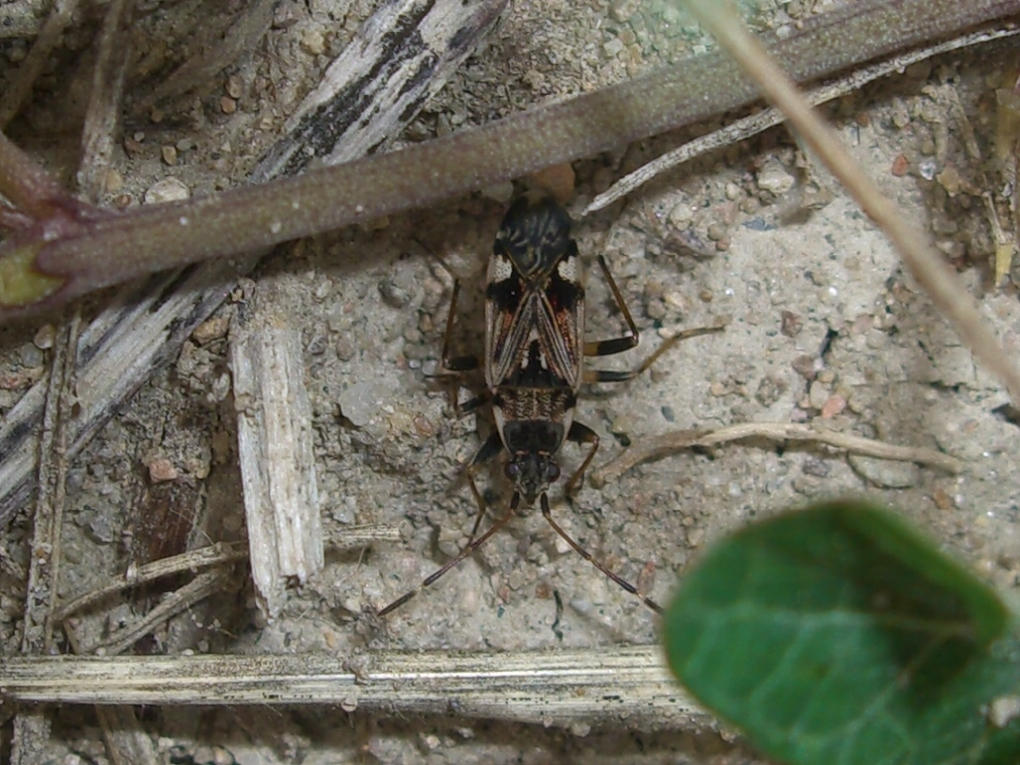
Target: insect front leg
<point>581,434</point>
<point>452,368</point>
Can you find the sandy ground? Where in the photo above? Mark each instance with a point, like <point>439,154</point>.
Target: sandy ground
<point>824,326</point>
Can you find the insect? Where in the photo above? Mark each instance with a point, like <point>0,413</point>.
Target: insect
<point>534,367</point>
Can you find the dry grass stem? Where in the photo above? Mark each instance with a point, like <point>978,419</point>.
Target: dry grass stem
<point>669,443</point>
<point>761,121</point>
<point>181,599</point>
<point>204,557</point>
<point>544,687</point>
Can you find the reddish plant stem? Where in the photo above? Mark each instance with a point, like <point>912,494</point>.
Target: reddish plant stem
<point>114,248</point>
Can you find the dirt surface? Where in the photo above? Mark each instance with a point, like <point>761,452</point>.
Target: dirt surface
<point>823,326</point>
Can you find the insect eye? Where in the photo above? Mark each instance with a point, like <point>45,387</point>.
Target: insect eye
<point>512,470</point>
<point>552,471</point>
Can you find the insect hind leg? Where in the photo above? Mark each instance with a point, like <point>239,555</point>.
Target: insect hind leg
<point>467,550</point>
<point>623,583</point>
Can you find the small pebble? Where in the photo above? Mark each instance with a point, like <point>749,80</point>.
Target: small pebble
<point>818,394</point>
<point>169,154</point>
<point>112,181</point>
<point>234,86</point>
<point>681,215</point>
<point>715,231</point>
<point>211,329</point>
<point>621,10</point>
<point>169,189</point>
<point>313,42</point>
<point>791,323</point>
<point>228,105</point>
<point>942,499</point>
<point>161,469</point>
<point>900,165</point>
<point>805,366</point>
<point>888,474</point>
<point>30,356</point>
<point>774,178</point>
<point>833,406</point>
<point>44,337</point>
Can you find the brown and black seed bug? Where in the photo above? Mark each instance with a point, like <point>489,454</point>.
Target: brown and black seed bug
<point>534,366</point>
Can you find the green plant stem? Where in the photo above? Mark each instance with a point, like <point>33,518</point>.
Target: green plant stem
<point>118,247</point>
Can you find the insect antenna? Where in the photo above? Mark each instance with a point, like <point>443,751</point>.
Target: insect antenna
<point>469,548</point>
<point>547,514</point>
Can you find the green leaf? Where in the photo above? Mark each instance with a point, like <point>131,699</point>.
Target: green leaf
<point>839,635</point>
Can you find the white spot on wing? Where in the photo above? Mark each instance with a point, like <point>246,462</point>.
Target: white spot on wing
<point>500,268</point>
<point>567,269</point>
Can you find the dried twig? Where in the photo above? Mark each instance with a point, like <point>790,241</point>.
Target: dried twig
<point>659,446</point>
<point>31,726</point>
<point>103,113</point>
<point>199,588</point>
<point>548,687</point>
<point>204,557</point>
<point>766,118</point>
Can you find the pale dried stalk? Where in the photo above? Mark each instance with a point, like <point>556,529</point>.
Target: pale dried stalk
<point>923,261</point>
<point>659,446</point>
<point>276,452</point>
<point>606,685</point>
<point>181,599</point>
<point>204,557</point>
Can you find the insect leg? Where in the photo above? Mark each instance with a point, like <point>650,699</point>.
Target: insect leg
<point>612,375</point>
<point>581,434</point>
<point>493,445</point>
<point>616,344</point>
<point>453,367</point>
<point>464,553</point>
<point>547,514</point>
<point>454,364</point>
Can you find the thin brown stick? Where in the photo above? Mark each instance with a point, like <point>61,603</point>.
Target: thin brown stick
<point>120,247</point>
<point>204,557</point>
<point>762,120</point>
<point>199,588</point>
<point>36,60</point>
<point>923,261</point>
<point>669,443</point>
<point>103,113</point>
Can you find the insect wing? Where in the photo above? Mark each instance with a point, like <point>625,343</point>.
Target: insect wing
<point>534,324</point>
